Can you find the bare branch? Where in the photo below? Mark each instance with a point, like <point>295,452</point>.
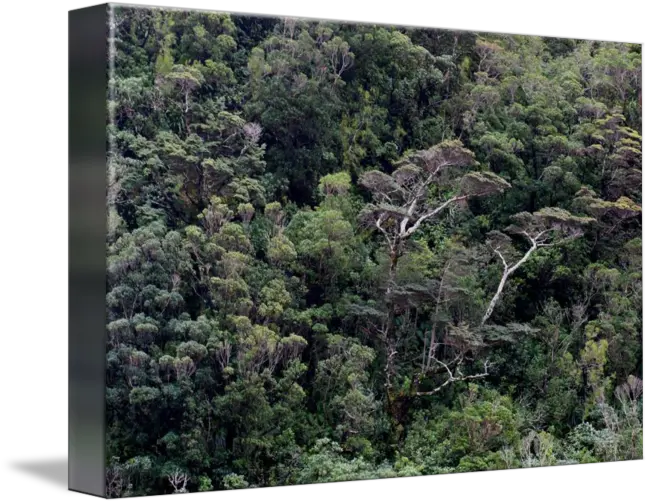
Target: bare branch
<point>453,379</point>
<point>504,263</point>
<point>503,280</point>
<point>380,228</point>
<point>546,228</point>
<point>434,212</point>
<point>178,480</point>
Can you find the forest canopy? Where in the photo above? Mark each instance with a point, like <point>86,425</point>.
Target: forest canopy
<point>343,251</point>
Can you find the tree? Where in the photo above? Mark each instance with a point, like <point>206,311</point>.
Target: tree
<point>339,251</point>
<point>612,151</point>
<point>402,201</point>
<point>545,228</point>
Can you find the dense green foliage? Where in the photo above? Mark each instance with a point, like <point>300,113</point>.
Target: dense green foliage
<point>344,251</point>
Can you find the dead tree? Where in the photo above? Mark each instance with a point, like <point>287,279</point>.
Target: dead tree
<point>178,480</point>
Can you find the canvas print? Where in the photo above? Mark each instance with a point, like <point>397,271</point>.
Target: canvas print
<point>342,251</point>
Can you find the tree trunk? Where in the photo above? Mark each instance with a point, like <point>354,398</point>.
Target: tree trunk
<point>496,297</point>
<point>506,274</point>
<point>392,270</point>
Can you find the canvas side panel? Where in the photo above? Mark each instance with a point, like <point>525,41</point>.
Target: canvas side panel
<point>88,79</point>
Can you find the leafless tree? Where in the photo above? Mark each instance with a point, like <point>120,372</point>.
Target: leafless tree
<point>453,376</point>
<point>178,480</point>
<point>629,394</point>
<point>252,133</point>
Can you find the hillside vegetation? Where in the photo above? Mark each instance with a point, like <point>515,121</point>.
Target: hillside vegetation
<point>341,251</point>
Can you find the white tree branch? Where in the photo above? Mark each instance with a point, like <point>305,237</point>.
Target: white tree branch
<point>502,258</point>
<point>453,379</point>
<point>381,228</point>
<point>503,280</point>
<point>434,212</point>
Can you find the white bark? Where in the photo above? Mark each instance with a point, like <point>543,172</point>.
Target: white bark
<point>452,378</point>
<point>507,272</point>
<point>430,214</point>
